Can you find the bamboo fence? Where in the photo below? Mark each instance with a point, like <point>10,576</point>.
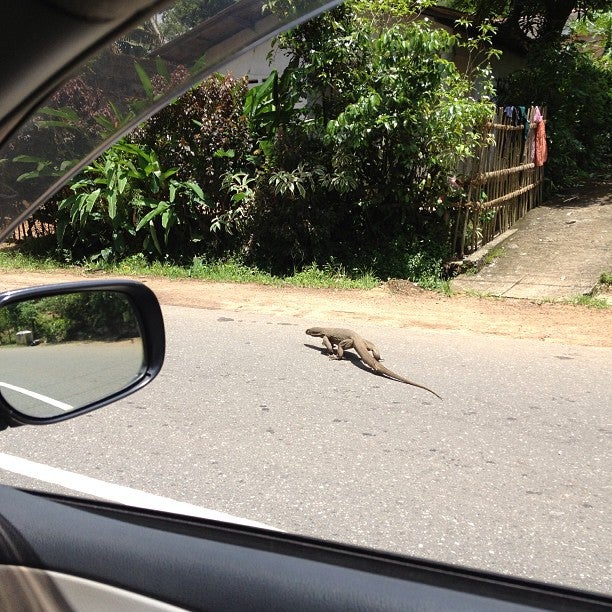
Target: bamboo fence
<point>501,184</point>
<point>33,229</point>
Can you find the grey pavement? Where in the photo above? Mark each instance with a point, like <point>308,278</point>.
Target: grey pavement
<point>509,473</point>
<point>556,251</point>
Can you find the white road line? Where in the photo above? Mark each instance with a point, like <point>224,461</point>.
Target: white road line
<point>115,493</point>
<point>38,396</point>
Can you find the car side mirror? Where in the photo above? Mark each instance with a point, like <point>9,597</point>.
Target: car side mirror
<point>71,348</point>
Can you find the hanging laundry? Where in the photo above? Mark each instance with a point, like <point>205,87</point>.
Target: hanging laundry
<point>523,120</point>
<point>540,148</point>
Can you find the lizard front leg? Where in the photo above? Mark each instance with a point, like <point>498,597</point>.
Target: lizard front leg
<point>344,345</point>
<point>328,345</point>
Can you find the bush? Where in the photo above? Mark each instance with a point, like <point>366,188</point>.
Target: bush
<point>126,203</point>
<point>577,89</point>
<point>344,158</point>
<point>361,165</point>
<point>160,191</point>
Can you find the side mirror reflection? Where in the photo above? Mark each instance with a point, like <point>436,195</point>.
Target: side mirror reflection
<point>62,353</point>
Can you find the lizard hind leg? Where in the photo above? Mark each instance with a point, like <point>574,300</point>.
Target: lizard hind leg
<point>374,350</point>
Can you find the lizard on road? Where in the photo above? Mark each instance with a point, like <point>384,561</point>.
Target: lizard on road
<point>345,339</point>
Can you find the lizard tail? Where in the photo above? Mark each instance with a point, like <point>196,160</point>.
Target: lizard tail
<point>380,369</point>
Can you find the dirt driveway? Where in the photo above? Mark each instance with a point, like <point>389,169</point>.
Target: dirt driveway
<point>395,304</point>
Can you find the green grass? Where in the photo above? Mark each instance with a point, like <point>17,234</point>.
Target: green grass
<point>331,276</point>
<point>11,259</point>
<point>590,301</point>
<point>605,278</point>
<point>230,270</point>
<point>492,255</point>
<point>489,258</point>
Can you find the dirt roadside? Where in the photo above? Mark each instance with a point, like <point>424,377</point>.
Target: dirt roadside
<point>395,304</point>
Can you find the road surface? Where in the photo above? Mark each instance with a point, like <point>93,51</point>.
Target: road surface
<point>511,472</point>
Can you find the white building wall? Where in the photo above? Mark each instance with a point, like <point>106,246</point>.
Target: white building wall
<point>255,64</point>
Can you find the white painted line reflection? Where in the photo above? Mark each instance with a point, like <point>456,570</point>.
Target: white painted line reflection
<point>38,396</point>
<point>116,493</point>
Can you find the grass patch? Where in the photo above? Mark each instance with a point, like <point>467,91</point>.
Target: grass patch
<point>230,271</point>
<point>441,286</point>
<point>223,271</point>
<point>11,259</point>
<point>331,276</point>
<point>606,279</point>
<point>590,301</point>
<point>492,255</point>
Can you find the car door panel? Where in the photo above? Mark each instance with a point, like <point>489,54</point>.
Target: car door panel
<point>197,564</point>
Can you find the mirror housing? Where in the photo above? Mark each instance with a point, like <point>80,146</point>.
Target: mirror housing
<point>71,348</point>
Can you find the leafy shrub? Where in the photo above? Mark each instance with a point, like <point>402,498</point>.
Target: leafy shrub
<point>361,164</point>
<point>161,191</point>
<point>577,89</point>
<point>203,135</point>
<point>344,158</point>
<point>126,203</point>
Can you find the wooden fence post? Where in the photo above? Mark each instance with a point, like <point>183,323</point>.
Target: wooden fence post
<point>503,182</point>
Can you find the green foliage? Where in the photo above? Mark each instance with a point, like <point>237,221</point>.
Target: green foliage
<point>529,24</point>
<point>361,165</point>
<point>344,158</point>
<point>103,315</point>
<point>577,89</point>
<point>383,14</point>
<point>334,275</point>
<point>125,202</point>
<point>590,301</point>
<point>264,109</point>
<point>596,30</point>
<point>189,133</point>
<point>185,14</point>
<point>326,68</point>
<point>412,123</point>
<point>161,191</point>
<point>230,269</point>
<point>205,136</point>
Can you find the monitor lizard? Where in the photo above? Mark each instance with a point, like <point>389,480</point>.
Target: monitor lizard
<point>345,339</point>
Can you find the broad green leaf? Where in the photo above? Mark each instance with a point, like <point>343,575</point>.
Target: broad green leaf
<point>30,159</point>
<point>34,174</point>
<point>68,114</point>
<point>153,233</point>
<point>112,205</point>
<point>195,188</point>
<point>144,80</point>
<point>162,68</point>
<point>88,204</point>
<point>161,207</point>
<point>121,184</point>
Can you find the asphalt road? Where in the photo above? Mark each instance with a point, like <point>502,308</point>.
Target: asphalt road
<point>511,472</point>
<point>49,379</point>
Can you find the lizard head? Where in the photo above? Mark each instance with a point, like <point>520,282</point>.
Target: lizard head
<point>315,331</point>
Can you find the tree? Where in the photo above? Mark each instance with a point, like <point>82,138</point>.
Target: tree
<point>185,14</point>
<point>576,87</point>
<point>359,171</point>
<point>529,23</point>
